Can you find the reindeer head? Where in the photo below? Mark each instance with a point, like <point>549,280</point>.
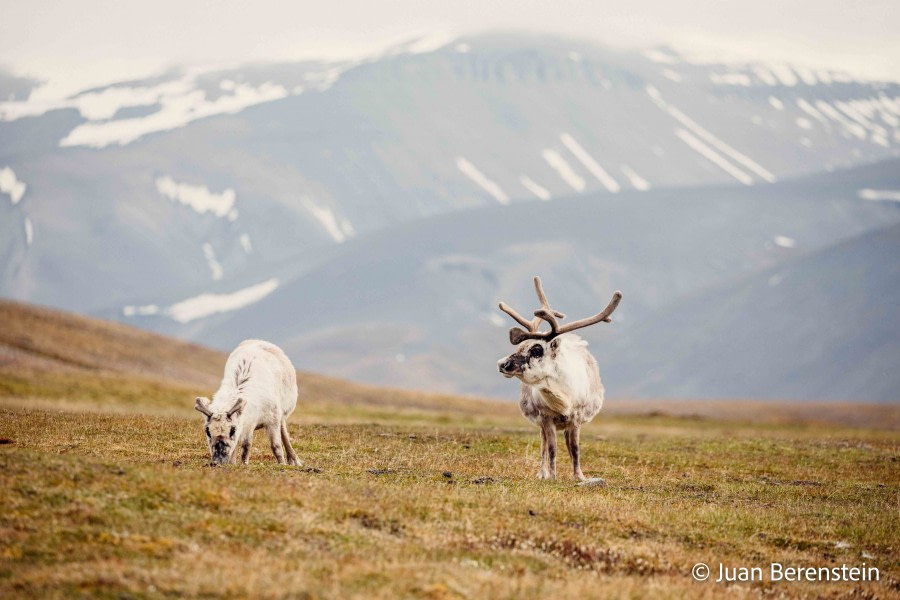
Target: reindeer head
<point>221,429</point>
<point>537,351</point>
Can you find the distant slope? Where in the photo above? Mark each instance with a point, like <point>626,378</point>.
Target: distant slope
<point>51,340</point>
<point>823,327</point>
<point>59,359</point>
<point>416,305</point>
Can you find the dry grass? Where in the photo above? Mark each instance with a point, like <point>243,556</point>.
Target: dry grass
<point>106,493</point>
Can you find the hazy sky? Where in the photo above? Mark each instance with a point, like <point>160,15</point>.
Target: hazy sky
<point>93,41</point>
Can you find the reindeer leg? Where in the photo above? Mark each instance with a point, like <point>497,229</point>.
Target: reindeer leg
<point>286,441</point>
<point>274,432</point>
<point>573,435</point>
<point>549,430</point>
<point>542,474</point>
<point>245,450</point>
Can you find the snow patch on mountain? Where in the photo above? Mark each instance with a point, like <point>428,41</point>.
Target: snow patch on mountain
<point>140,311</point>
<point>339,231</point>
<point>890,104</point>
<point>739,79</point>
<point>713,156</point>
<point>672,75</point>
<point>98,105</point>
<point>824,76</point>
<point>198,197</point>
<point>29,231</point>
<point>10,185</point>
<point>765,75</point>
<point>430,43</point>
<point>323,80</point>
<point>214,266</point>
<point>850,127</point>
<point>246,244</point>
<point>784,74</point>
<point>784,241</point>
<point>180,102</point>
<point>637,182</point>
<point>811,111</point>
<point>535,188</point>
<point>879,195</point>
<point>866,112</point>
<point>208,304</point>
<point>564,169</point>
<point>709,138</point>
<point>806,75</point>
<point>175,111</point>
<point>589,163</point>
<point>660,56</point>
<point>481,180</point>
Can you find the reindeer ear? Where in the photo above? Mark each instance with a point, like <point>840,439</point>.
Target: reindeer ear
<point>202,404</point>
<point>237,407</point>
<point>517,335</point>
<point>554,347</point>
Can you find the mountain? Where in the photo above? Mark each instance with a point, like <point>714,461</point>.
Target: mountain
<point>368,215</point>
<point>149,192</point>
<point>415,305</point>
<point>822,327</point>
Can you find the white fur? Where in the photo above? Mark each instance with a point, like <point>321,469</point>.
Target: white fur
<point>269,393</point>
<point>561,390</point>
<point>567,384</point>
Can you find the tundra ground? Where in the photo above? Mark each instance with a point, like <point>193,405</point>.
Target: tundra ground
<point>107,492</point>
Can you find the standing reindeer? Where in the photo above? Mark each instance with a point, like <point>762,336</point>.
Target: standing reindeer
<point>561,388</point>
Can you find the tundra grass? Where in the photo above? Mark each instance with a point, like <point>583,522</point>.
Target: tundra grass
<point>105,489</point>
<point>417,505</point>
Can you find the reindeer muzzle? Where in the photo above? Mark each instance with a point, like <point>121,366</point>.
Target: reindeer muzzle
<point>220,453</point>
<point>511,365</point>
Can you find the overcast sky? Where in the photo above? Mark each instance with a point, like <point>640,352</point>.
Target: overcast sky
<point>94,41</point>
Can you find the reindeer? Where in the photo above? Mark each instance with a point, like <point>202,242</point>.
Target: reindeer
<point>259,390</point>
<point>561,387</point>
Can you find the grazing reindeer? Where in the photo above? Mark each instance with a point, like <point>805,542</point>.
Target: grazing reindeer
<point>561,386</point>
<point>259,390</point>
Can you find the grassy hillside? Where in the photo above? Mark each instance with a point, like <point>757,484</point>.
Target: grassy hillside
<point>107,492</point>
<point>52,359</point>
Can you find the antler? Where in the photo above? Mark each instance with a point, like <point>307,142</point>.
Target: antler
<point>536,322</point>
<point>548,314</point>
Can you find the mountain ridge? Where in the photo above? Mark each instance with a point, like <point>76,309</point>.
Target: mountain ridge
<point>174,201</point>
